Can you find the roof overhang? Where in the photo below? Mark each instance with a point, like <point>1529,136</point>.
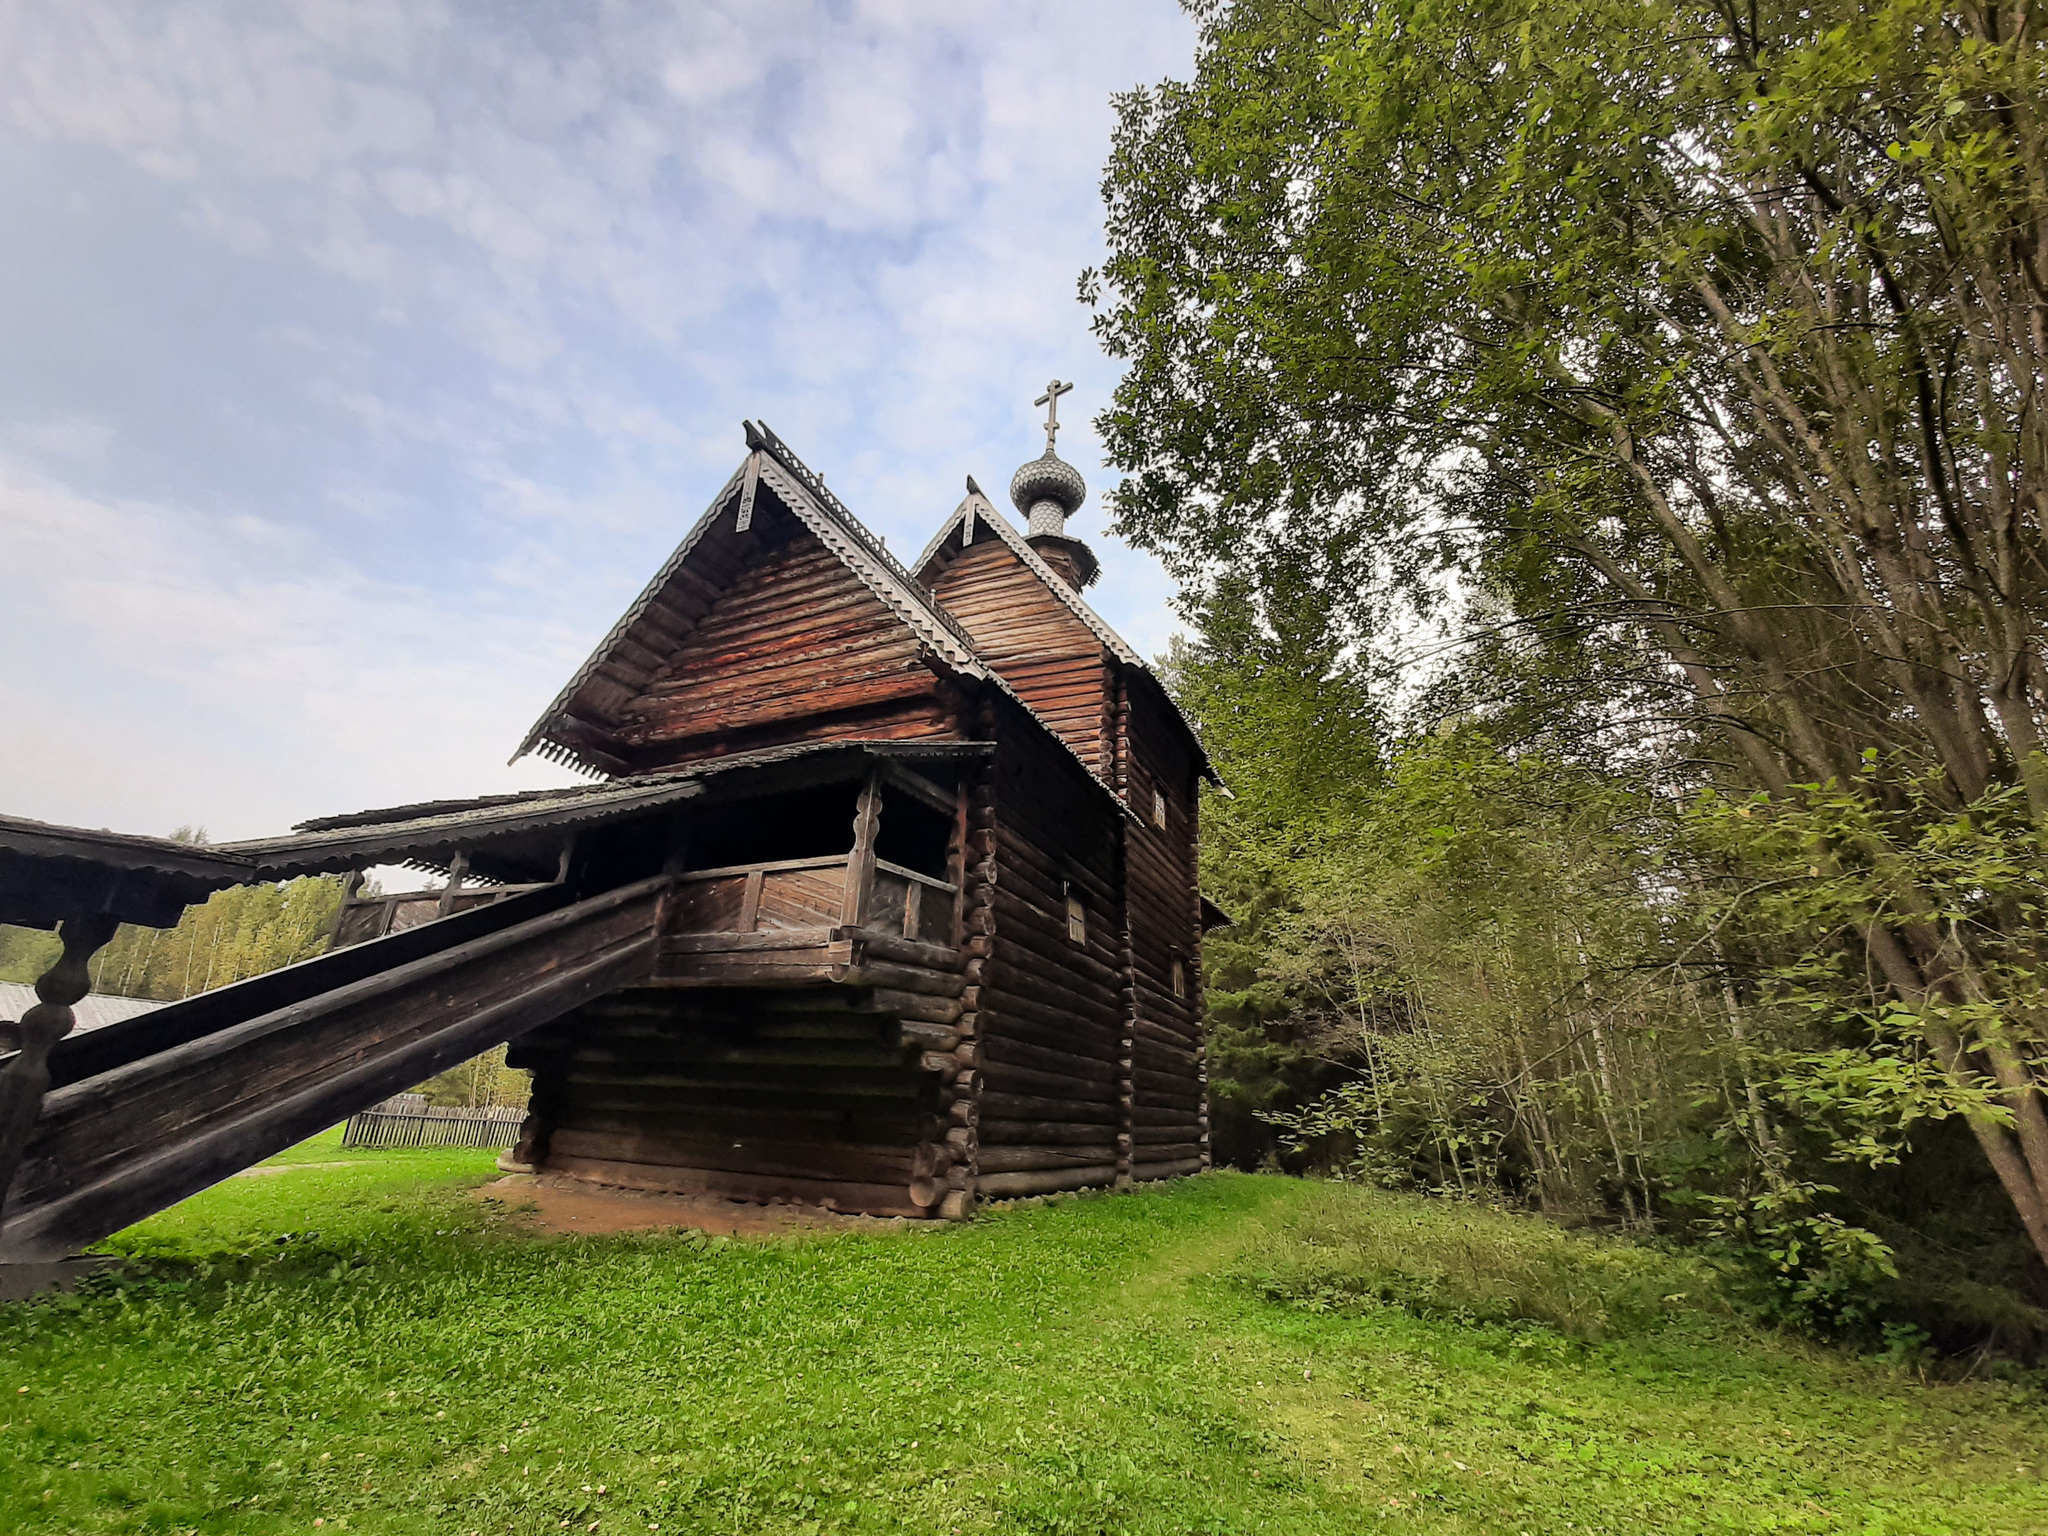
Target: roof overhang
<point>50,873</point>
<point>572,730</point>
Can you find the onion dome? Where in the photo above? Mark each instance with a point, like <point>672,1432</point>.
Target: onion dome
<point>1047,491</point>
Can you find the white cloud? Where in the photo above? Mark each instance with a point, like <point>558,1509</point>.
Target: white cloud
<point>430,328</point>
<point>256,678</point>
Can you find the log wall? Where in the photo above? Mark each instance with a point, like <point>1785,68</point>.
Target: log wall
<point>1050,657</point>
<point>1050,1019</point>
<point>1169,1074</point>
<point>814,1096</point>
<point>796,648</point>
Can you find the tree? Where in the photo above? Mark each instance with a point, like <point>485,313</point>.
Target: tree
<point>237,933</point>
<point>1712,329</point>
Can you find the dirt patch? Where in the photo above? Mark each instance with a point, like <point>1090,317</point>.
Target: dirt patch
<point>553,1204</point>
<point>265,1170</point>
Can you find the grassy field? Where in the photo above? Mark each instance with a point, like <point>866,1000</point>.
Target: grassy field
<point>367,1348</point>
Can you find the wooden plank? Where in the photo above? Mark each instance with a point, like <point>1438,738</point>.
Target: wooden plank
<point>117,1146</point>
<point>800,898</point>
<point>1011,1159</point>
<point>736,943</point>
<point>1024,1106</point>
<point>930,957</point>
<point>826,861</point>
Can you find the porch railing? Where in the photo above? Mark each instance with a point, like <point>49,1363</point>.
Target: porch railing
<point>812,894</point>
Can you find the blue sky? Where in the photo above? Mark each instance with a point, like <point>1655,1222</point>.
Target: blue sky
<point>360,361</point>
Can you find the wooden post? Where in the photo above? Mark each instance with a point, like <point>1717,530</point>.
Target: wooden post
<point>860,867</point>
<point>458,868</point>
<point>25,1079</point>
<point>349,888</point>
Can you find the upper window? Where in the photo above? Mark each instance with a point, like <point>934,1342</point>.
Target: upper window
<point>1077,918</point>
<point>1180,978</point>
<point>1158,807</point>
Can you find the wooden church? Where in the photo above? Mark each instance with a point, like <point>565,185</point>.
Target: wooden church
<point>968,966</point>
<point>884,900</point>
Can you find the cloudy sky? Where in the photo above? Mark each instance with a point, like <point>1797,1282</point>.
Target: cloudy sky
<point>360,360</point>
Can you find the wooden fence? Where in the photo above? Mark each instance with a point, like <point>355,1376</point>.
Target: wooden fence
<point>389,1125</point>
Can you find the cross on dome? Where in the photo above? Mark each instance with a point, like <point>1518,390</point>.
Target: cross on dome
<point>1051,401</point>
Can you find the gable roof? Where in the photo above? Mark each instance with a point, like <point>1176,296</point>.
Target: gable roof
<point>977,507</point>
<point>610,675</point>
<point>976,512</point>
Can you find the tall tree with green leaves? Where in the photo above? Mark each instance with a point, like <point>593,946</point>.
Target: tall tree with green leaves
<point>1718,331</point>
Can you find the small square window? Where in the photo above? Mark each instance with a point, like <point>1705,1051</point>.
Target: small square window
<point>1077,919</point>
<point>1158,808</point>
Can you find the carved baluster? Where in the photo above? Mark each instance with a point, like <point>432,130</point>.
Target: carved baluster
<point>860,865</point>
<point>26,1078</point>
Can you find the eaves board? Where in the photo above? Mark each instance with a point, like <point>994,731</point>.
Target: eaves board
<point>424,834</point>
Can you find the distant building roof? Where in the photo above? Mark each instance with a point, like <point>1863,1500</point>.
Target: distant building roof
<point>93,1011</point>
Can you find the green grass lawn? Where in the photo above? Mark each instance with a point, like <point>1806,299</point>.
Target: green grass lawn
<point>1203,1358</point>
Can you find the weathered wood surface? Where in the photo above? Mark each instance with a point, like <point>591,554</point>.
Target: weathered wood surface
<point>25,1079</point>
<point>1167,1065</point>
<point>112,1148</point>
<point>1049,656</point>
<point>747,1096</point>
<point>853,918</point>
<point>792,647</point>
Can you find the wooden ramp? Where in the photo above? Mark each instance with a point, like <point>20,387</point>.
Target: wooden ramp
<point>141,1114</point>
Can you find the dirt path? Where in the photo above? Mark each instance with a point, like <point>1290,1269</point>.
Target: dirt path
<point>549,1204</point>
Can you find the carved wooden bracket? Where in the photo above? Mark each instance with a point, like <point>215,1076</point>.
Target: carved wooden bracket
<point>26,1076</point>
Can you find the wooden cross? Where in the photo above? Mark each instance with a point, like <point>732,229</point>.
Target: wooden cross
<point>1051,401</point>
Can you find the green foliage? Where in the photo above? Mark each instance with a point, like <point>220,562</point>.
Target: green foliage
<point>25,953</point>
<point>243,931</point>
<point>1671,363</point>
<point>480,1081</point>
<point>1354,1246</point>
<point>409,1360</point>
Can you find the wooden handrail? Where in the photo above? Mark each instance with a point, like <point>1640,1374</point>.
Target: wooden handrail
<point>910,874</point>
<point>724,870</point>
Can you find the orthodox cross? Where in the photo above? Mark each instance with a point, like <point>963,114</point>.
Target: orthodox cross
<point>1051,401</point>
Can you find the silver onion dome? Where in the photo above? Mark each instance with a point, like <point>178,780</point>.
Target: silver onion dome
<point>1047,491</point>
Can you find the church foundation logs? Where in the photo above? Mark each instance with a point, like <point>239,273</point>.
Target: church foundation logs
<point>821,1096</point>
